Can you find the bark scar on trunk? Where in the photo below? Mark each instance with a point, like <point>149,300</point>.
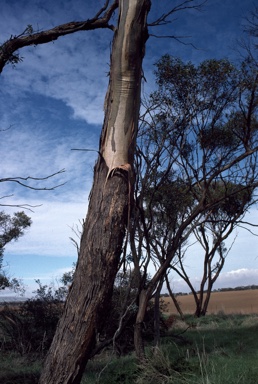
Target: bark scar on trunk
<point>125,167</point>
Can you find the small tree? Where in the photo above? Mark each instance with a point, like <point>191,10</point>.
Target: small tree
<point>30,327</point>
<point>11,229</point>
<point>197,157</point>
<point>211,235</point>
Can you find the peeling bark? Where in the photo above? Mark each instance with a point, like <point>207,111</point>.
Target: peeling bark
<point>105,225</point>
<point>118,140</point>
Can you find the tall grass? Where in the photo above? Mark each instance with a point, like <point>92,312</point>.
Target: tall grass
<point>217,349</point>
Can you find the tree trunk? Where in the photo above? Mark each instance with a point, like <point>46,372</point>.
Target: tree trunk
<point>107,218</point>
<point>175,301</point>
<point>157,314</point>
<point>138,338</point>
<point>207,300</point>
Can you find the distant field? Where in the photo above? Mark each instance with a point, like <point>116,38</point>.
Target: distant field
<point>245,302</point>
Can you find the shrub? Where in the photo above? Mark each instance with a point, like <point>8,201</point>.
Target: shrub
<point>31,326</point>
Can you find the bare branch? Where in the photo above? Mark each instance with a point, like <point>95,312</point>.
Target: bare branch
<point>28,38</point>
<point>249,230</point>
<point>6,129</point>
<point>86,150</point>
<point>23,206</point>
<point>21,181</point>
<point>163,19</point>
<point>177,38</point>
<point>252,23</point>
<point>78,232</point>
<point>248,223</point>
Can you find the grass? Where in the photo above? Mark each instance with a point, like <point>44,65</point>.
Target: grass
<point>16,369</point>
<point>111,370</point>
<point>217,349</point>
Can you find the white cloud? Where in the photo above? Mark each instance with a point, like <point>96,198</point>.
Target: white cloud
<point>230,279</point>
<point>38,154</point>
<point>239,277</point>
<point>51,230</point>
<point>73,70</point>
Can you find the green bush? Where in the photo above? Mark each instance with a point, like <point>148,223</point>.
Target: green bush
<point>31,326</point>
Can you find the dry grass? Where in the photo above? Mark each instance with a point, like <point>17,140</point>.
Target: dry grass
<point>244,302</point>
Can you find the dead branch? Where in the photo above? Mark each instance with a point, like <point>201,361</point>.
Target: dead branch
<point>252,23</point>
<point>163,19</point>
<point>22,206</point>
<point>6,129</point>
<point>28,38</point>
<point>22,181</point>
<point>177,38</point>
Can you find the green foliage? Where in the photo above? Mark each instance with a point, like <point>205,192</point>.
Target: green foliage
<point>234,199</point>
<point>224,135</point>
<point>197,164</point>
<point>31,326</point>
<point>201,118</point>
<point>185,86</point>
<point>4,281</point>
<point>11,229</point>
<point>210,100</point>
<point>167,202</point>
<point>122,315</point>
<point>67,277</point>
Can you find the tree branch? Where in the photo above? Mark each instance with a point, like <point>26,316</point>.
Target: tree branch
<point>177,38</point>
<point>22,180</point>
<point>163,19</point>
<point>28,38</point>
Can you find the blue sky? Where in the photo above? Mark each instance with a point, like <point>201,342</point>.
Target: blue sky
<point>53,101</point>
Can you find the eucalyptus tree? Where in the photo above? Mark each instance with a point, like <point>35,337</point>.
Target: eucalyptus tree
<point>110,199</point>
<point>196,163</point>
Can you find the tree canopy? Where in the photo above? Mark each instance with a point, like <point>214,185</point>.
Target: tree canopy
<point>11,229</point>
<point>196,165</point>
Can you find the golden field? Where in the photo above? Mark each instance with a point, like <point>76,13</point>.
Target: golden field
<point>245,302</point>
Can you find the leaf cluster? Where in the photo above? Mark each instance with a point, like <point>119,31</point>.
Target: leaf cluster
<point>12,227</point>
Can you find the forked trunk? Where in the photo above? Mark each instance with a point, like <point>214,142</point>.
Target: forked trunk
<point>106,221</point>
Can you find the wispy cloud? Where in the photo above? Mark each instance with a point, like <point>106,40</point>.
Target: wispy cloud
<point>72,69</point>
<point>51,230</point>
<point>34,154</point>
<point>68,74</point>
